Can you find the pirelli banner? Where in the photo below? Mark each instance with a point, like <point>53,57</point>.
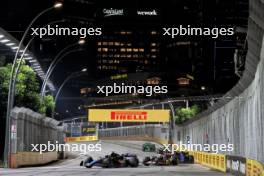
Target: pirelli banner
<point>135,115</point>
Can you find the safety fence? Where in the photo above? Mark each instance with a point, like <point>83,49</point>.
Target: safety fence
<point>29,128</point>
<point>156,132</point>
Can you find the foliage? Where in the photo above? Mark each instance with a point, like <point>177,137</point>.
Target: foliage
<point>27,90</point>
<point>48,105</point>
<point>184,114</point>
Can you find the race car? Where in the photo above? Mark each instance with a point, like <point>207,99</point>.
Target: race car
<point>161,160</point>
<point>148,147</point>
<point>113,160</point>
<point>183,156</point>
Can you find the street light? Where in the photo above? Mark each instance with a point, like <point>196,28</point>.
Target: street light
<point>25,54</point>
<point>58,5</point>
<point>74,74</point>
<point>56,60</point>
<point>7,150</point>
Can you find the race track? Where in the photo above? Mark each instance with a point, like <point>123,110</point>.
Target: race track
<point>70,167</point>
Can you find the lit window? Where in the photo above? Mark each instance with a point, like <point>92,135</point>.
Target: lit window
<point>105,43</point>
<point>153,50</point>
<point>117,43</point>
<point>123,49</point>
<point>129,49</point>
<point>153,32</point>
<point>153,56</point>
<point>99,43</point>
<point>129,56</point>
<point>104,49</point>
<point>141,49</point>
<point>135,49</point>
<point>111,43</point>
<point>122,32</point>
<point>153,44</point>
<point>99,49</point>
<point>129,44</point>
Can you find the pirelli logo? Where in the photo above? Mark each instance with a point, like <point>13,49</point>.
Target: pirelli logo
<point>129,115</point>
<point>135,115</point>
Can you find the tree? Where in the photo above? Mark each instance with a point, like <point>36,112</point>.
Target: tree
<point>184,114</point>
<point>27,90</point>
<point>48,105</point>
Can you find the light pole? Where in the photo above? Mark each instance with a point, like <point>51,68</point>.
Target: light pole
<point>74,74</point>
<point>22,56</point>
<point>10,100</point>
<point>55,61</point>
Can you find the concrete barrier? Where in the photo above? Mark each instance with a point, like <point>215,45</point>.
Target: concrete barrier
<point>30,128</point>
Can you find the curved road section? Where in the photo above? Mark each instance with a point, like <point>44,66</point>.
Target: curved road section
<point>70,167</point>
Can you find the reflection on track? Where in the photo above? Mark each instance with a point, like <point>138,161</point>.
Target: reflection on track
<point>71,166</point>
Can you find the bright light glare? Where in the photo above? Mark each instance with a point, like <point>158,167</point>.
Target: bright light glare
<point>57,5</point>
<point>4,40</point>
<point>81,42</point>
<point>10,44</point>
<point>84,70</point>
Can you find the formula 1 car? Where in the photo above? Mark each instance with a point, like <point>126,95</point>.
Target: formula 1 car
<point>148,147</point>
<point>183,156</point>
<point>113,160</point>
<point>161,160</point>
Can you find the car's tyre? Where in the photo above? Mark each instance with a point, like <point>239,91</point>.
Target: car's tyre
<point>146,161</point>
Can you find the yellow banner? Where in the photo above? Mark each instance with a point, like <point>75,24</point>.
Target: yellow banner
<point>81,138</point>
<point>216,161</point>
<point>254,168</point>
<point>121,115</point>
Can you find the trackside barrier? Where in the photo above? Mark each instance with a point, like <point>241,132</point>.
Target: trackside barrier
<point>27,128</point>
<point>156,133</point>
<point>215,161</point>
<point>81,138</point>
<point>254,168</point>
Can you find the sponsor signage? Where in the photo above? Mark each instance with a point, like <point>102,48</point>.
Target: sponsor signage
<point>88,130</point>
<point>147,12</point>
<point>113,12</point>
<point>236,165</point>
<point>120,115</point>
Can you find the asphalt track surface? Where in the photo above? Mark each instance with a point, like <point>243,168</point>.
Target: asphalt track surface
<point>71,167</point>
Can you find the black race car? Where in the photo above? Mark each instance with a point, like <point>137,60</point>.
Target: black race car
<point>113,160</point>
<point>161,160</point>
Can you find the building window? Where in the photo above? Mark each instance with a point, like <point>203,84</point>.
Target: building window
<point>123,49</point>
<point>104,49</point>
